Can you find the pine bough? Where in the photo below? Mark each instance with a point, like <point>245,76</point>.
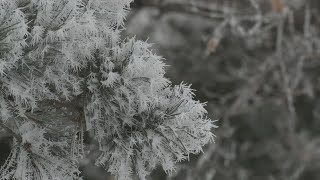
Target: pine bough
<point>68,54</point>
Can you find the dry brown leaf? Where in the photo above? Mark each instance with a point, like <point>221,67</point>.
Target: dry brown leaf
<point>212,45</point>
<point>277,5</point>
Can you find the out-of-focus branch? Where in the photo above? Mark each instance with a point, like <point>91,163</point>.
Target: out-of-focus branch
<point>235,17</point>
<point>200,9</point>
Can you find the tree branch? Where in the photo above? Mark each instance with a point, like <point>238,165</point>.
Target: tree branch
<point>15,135</point>
<point>200,9</point>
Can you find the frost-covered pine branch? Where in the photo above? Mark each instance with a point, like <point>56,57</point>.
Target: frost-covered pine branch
<point>64,69</point>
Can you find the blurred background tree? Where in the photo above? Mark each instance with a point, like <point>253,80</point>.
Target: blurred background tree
<point>257,64</point>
